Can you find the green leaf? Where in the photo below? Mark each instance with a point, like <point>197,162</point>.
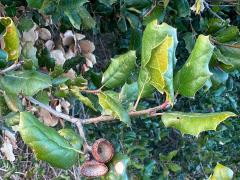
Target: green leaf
<point>195,72</point>
<point>74,139</point>
<point>74,18</point>
<point>85,100</point>
<point>3,106</point>
<point>128,93</point>
<point>153,36</point>
<point>46,143</point>
<point>119,70</point>
<point>183,8</point>
<point>87,20</point>
<point>137,4</point>
<point>189,39</point>
<point>113,107</point>
<point>29,53</point>
<point>118,168</point>
<point>12,119</point>
<point>157,12</point>
<point>160,68</point>
<point>11,38</point>
<point>229,56</point>
<point>25,24</point>
<point>221,172</point>
<point>174,167</point>
<point>35,3</point>
<point>228,34</point>
<point>194,123</point>
<point>13,102</point>
<point>26,82</point>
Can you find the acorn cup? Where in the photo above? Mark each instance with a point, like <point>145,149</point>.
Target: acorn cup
<point>93,169</point>
<point>102,150</point>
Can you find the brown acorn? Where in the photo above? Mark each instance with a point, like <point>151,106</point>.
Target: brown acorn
<point>102,150</point>
<point>93,169</point>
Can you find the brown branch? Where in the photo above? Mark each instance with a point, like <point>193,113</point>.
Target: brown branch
<point>228,45</point>
<point>12,67</point>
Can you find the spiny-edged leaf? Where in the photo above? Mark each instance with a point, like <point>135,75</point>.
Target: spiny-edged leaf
<point>195,72</point>
<point>11,38</point>
<point>13,102</point>
<point>194,123</point>
<point>153,36</point>
<point>26,82</point>
<point>228,34</point>
<point>46,143</point>
<point>85,100</point>
<point>160,68</point>
<point>221,172</point>
<point>145,89</point>
<point>74,139</point>
<point>113,107</point>
<point>118,168</point>
<point>119,70</point>
<point>229,56</point>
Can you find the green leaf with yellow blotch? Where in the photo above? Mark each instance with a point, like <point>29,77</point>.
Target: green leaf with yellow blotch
<point>47,144</point>
<point>194,123</point>
<point>154,47</point>
<point>160,68</point>
<point>85,100</point>
<point>195,72</point>
<point>112,107</point>
<point>119,70</point>
<point>221,172</point>
<point>11,38</point>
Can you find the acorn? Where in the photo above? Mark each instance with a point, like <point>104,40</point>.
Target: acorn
<point>93,169</point>
<point>102,150</point>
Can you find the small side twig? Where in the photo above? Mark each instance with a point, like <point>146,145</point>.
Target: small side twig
<point>228,45</point>
<point>12,67</point>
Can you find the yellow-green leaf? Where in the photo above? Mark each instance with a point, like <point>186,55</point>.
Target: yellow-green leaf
<point>76,92</point>
<point>195,72</point>
<point>198,7</point>
<point>112,107</point>
<point>221,172</point>
<point>11,38</point>
<point>194,123</point>
<point>160,68</point>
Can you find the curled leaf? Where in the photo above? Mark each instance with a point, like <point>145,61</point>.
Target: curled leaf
<point>221,172</point>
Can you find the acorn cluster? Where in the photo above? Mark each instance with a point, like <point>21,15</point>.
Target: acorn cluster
<point>102,152</point>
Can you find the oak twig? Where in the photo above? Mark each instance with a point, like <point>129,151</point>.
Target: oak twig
<point>12,67</point>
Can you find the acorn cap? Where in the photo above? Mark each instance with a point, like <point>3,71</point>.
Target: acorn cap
<point>93,169</point>
<point>102,150</point>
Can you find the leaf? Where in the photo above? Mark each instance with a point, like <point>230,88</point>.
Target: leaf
<point>87,20</point>
<point>128,93</point>
<point>198,7</point>
<point>189,39</point>
<point>26,82</point>
<point>157,12</point>
<point>85,100</point>
<point>11,38</point>
<point>183,8</point>
<point>35,3</point>
<point>195,72</point>
<point>194,123</point>
<point>118,168</point>
<point>113,107</point>
<point>160,68</point>
<point>153,37</point>
<point>74,139</point>
<point>3,106</point>
<point>229,56</point>
<point>119,70</point>
<point>221,172</point>
<point>74,18</point>
<point>29,53</point>
<point>174,167</point>
<point>13,102</point>
<point>46,143</point>
<point>227,34</point>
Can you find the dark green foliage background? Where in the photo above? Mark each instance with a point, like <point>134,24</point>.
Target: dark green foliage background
<point>119,27</point>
